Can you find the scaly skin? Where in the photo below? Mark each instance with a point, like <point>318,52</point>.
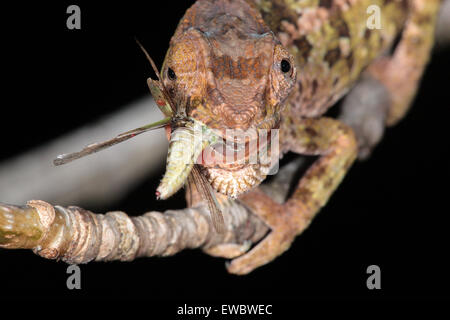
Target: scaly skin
<point>225,66</point>
<point>331,44</point>
<point>226,57</point>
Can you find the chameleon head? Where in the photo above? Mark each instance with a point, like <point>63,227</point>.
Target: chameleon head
<point>232,77</point>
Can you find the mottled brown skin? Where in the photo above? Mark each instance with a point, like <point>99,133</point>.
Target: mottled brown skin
<point>226,55</point>
<point>227,70</point>
<point>223,55</point>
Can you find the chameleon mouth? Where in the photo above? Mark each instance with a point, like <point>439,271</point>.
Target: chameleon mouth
<point>232,151</point>
<point>235,180</point>
<point>232,168</point>
<point>232,162</point>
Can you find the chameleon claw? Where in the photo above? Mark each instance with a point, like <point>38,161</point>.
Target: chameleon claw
<point>273,245</point>
<point>229,250</point>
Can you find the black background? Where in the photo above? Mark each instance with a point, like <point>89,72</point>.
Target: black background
<point>391,211</point>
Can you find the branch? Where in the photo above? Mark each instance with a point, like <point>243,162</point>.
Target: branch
<point>76,235</point>
<point>443,26</point>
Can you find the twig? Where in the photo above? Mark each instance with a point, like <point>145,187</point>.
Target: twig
<point>76,235</point>
<point>443,26</point>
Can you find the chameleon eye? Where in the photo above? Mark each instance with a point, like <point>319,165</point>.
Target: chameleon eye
<point>171,74</point>
<point>285,66</point>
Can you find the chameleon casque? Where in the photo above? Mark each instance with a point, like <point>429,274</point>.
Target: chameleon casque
<point>280,64</point>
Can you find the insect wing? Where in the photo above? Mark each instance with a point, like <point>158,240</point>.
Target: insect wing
<point>207,194</point>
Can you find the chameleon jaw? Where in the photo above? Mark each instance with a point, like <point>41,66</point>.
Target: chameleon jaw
<point>234,181</point>
<point>237,171</point>
<point>188,145</point>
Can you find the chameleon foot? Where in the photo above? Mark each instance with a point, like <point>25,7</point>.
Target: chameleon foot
<point>336,143</point>
<point>273,245</point>
<point>279,239</point>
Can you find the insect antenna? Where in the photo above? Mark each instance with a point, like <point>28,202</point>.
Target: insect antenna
<point>155,69</point>
<point>98,146</point>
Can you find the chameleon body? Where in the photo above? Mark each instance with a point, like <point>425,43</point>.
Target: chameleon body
<point>280,64</point>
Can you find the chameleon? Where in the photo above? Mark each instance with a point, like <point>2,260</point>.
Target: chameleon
<point>275,66</point>
<point>281,64</point>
